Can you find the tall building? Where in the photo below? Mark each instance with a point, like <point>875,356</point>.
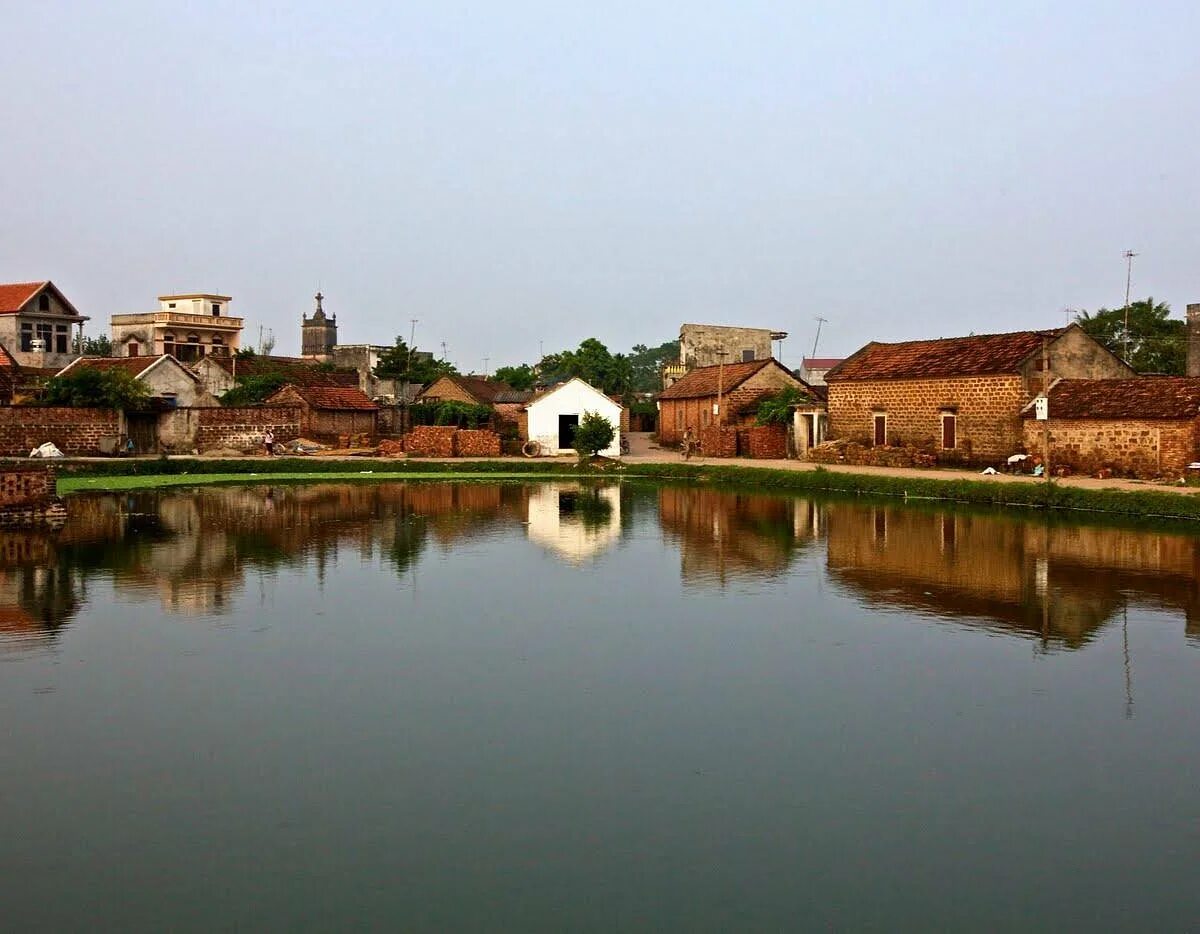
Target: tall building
<point>318,334</point>
<point>189,327</point>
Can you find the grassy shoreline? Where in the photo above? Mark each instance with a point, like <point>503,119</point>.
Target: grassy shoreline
<point>120,475</point>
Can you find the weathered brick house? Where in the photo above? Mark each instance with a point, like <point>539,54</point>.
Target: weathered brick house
<point>1145,427</point>
<point>962,394</point>
<point>691,401</point>
<point>473,390</point>
<point>328,412</point>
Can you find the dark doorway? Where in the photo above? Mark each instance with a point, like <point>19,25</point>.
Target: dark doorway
<point>566,430</point>
<point>143,431</point>
<point>949,432</point>
<point>880,430</point>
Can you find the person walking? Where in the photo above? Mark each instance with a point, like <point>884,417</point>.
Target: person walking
<point>269,442</point>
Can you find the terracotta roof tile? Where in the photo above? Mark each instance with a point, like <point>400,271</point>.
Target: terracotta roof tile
<point>1149,397</point>
<point>331,397</point>
<point>134,366</point>
<point>703,381</point>
<point>13,295</point>
<point>951,356</point>
<point>295,370</point>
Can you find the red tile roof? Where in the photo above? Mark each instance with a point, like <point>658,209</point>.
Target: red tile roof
<point>295,370</point>
<point>134,366</point>
<point>479,388</point>
<point>342,398</point>
<point>976,355</point>
<point>821,363</point>
<point>14,295</point>
<point>703,381</point>
<point>1146,397</point>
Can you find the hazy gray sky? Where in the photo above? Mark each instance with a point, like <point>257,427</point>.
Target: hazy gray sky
<point>515,172</point>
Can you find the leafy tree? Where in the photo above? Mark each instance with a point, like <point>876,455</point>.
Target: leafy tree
<point>89,387</point>
<point>646,365</point>
<point>99,346</point>
<point>593,434</point>
<point>518,377</point>
<point>777,409</point>
<point>250,390</point>
<point>452,412</point>
<point>410,366</point>
<point>593,363</point>
<point>1157,342</point>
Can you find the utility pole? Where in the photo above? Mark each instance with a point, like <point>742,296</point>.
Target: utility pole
<point>1129,255</point>
<point>485,366</point>
<point>721,388</point>
<point>1046,393</point>
<point>817,339</point>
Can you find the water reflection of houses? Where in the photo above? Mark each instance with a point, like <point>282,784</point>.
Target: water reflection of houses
<point>725,536</point>
<point>1059,584</point>
<point>575,521</point>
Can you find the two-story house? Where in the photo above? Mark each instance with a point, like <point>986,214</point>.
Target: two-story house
<point>36,324</point>
<point>189,327</point>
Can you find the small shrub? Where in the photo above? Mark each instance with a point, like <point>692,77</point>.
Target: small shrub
<point>593,434</point>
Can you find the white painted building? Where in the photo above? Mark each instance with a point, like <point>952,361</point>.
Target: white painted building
<point>554,416</point>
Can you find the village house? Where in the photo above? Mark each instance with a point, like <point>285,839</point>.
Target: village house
<point>711,344</point>
<point>167,380</point>
<point>329,413</point>
<point>552,417</point>
<point>36,324</point>
<point>220,374</point>
<point>813,369</point>
<point>189,327</point>
<point>1145,427</point>
<point>692,402</point>
<point>960,394</point>
<point>471,390</point>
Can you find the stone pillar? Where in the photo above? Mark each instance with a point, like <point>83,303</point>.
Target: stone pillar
<point>1193,339</point>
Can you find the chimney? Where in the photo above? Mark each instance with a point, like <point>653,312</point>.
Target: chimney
<point>1193,339</point>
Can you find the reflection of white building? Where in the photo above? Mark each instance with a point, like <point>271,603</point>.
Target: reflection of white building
<point>575,521</point>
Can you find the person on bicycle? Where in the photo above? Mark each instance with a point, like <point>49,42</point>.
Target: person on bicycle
<point>689,442</point>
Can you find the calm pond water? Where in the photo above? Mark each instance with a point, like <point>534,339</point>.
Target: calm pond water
<point>544,706</point>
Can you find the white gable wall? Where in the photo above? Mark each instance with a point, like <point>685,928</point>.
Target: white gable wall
<point>572,398</point>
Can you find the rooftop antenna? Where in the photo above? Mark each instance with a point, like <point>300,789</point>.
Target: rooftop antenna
<point>817,339</point>
<point>485,366</point>
<point>1129,255</point>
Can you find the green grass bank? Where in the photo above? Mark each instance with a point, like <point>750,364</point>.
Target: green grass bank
<point>148,474</point>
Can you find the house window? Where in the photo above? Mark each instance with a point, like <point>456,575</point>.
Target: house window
<point>949,431</point>
<point>170,304</point>
<point>27,337</point>
<point>45,333</point>
<point>43,302</point>
<point>133,348</point>
<point>60,338</point>
<point>748,356</point>
<point>879,429</point>
<point>216,310</point>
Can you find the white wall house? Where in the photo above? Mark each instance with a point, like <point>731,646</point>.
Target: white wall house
<point>553,417</point>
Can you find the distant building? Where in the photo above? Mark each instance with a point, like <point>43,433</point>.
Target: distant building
<point>36,322</point>
<point>318,334</point>
<point>813,369</point>
<point>188,327</point>
<point>704,344</point>
<point>220,374</point>
<point>329,413</point>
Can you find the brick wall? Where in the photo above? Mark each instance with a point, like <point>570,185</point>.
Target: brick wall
<point>1139,448</point>
<point>26,486</point>
<point>430,441</point>
<point>242,428</point>
<point>987,409</point>
<point>677,414</point>
<point>767,441</point>
<point>330,424</point>
<point>476,444</point>
<point>718,441</point>
<point>76,432</point>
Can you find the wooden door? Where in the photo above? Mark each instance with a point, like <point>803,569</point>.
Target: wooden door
<point>880,430</point>
<point>949,432</point>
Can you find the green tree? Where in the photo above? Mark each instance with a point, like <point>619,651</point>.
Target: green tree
<point>251,390</point>
<point>777,409</point>
<point>1157,342</point>
<point>415,366</point>
<point>593,434</point>
<point>518,377</point>
<point>99,346</point>
<point>646,364</point>
<point>89,387</point>
<point>593,363</point>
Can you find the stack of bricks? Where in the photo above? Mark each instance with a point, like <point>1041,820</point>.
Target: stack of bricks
<point>476,444</point>
<point>718,441</point>
<point>767,442</point>
<point>22,486</point>
<point>242,428</point>
<point>430,441</point>
<point>75,432</point>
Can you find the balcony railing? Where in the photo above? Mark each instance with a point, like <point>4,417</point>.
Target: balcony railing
<point>180,319</point>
